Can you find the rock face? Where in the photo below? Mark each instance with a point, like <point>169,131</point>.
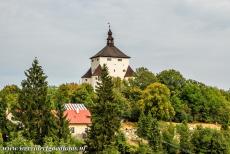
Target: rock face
<point>129,130</point>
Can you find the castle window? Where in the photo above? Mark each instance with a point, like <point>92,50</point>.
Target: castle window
<point>96,78</point>
<point>92,60</point>
<point>97,59</point>
<point>109,59</point>
<point>85,79</point>
<point>119,59</point>
<point>114,70</point>
<point>123,70</point>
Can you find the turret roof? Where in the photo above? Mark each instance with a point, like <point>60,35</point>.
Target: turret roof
<point>110,50</point>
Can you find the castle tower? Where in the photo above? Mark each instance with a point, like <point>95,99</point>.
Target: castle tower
<point>116,61</point>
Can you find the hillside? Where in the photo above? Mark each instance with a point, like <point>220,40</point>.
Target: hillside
<point>129,130</point>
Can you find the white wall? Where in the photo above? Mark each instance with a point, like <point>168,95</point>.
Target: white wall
<point>116,68</point>
<point>87,80</point>
<point>94,63</point>
<point>78,129</point>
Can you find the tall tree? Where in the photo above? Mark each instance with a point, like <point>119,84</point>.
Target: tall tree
<point>105,116</point>
<point>170,144</point>
<point>3,120</point>
<point>62,123</point>
<point>155,137</point>
<point>185,138</point>
<point>155,99</point>
<point>144,125</point>
<point>33,109</point>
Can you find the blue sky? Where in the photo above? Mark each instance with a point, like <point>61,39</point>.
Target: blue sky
<point>191,36</point>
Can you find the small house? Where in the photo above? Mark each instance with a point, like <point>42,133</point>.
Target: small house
<point>79,119</point>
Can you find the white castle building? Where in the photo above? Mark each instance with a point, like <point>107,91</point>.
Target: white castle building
<point>116,61</point>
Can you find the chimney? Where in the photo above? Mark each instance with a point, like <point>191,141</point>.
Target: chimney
<point>77,110</point>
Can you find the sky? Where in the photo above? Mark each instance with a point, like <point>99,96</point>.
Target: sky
<point>191,36</point>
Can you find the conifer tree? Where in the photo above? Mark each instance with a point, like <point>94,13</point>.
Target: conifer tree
<point>3,120</point>
<point>185,138</point>
<point>33,109</point>
<point>144,125</point>
<point>154,136</point>
<point>105,116</point>
<point>61,121</point>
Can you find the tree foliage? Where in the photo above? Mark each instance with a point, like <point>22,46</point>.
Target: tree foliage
<point>155,99</point>
<point>185,138</point>
<point>33,109</point>
<point>62,123</point>
<point>143,77</point>
<point>206,140</point>
<point>172,79</point>
<point>105,116</point>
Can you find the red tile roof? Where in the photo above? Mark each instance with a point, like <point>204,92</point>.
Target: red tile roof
<point>77,114</point>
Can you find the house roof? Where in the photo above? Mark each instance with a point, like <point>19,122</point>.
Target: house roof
<point>77,114</point>
<point>73,106</point>
<point>110,50</point>
<point>88,74</point>
<point>129,72</point>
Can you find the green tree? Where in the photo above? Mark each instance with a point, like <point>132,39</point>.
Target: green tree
<point>181,108</point>
<point>155,98</point>
<point>144,149</point>
<point>133,95</point>
<point>62,123</point>
<point>10,95</point>
<point>105,116</point>
<point>52,96</point>
<point>84,94</point>
<point>33,109</point>
<point>144,125</point>
<point>143,77</point>
<point>121,143</point>
<point>193,96</point>
<point>170,144</point>
<point>148,128</point>
<point>20,141</point>
<point>3,120</point>
<point>172,79</point>
<point>206,140</point>
<point>185,138</point>
<point>207,104</point>
<point>155,137</point>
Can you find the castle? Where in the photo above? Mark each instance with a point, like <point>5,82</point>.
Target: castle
<point>116,61</point>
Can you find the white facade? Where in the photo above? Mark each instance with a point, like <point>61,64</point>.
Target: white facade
<point>115,60</point>
<point>117,67</point>
<point>78,130</point>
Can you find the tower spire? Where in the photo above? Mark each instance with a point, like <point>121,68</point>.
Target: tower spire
<point>110,38</point>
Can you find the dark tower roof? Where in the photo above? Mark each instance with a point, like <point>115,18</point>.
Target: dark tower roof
<point>88,74</point>
<point>129,72</point>
<point>110,50</point>
<point>97,71</point>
